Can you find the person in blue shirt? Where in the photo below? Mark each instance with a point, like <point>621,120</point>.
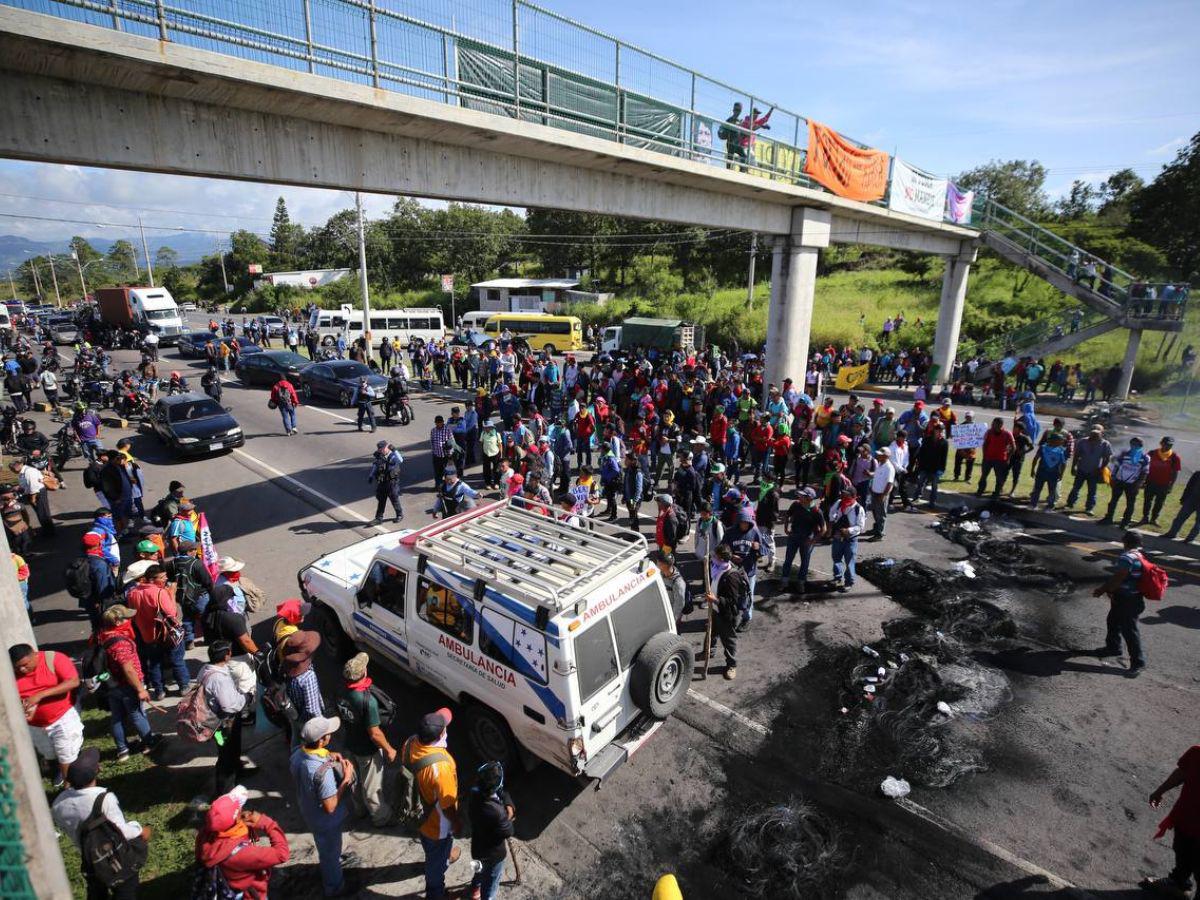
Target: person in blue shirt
<point>103,525</point>
<point>733,453</point>
<point>1126,603</point>
<point>746,542</point>
<point>323,780</point>
<point>610,481</point>
<point>454,496</point>
<point>1048,467</point>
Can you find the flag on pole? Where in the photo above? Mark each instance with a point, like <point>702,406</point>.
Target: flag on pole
<point>208,550</point>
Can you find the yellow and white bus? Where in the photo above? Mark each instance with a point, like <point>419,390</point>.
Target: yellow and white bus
<point>543,332</point>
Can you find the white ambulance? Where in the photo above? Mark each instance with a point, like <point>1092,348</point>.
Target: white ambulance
<point>557,641</point>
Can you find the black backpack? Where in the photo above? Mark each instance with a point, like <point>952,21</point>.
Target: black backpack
<point>94,662</point>
<point>387,708</point>
<point>731,610</point>
<point>277,706</point>
<point>108,856</point>
<point>78,577</point>
<point>683,525</point>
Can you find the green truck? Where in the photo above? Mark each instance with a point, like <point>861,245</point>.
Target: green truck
<point>662,334</point>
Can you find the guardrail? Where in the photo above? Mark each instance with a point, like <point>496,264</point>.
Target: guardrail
<point>1030,335</point>
<point>1136,297</point>
<point>509,57</point>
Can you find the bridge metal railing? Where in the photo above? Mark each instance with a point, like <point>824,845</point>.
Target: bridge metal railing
<point>510,57</point>
<point>1037,332</point>
<point>1136,298</point>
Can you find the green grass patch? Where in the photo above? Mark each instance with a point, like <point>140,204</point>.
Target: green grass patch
<point>153,795</point>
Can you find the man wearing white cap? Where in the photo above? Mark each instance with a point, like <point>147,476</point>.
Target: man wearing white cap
<point>322,780</point>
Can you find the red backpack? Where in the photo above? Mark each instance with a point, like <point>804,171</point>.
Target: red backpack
<point>1152,583</point>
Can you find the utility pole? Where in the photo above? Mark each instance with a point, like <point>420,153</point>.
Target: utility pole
<point>54,278</point>
<point>221,257</point>
<point>79,266</point>
<point>12,285</point>
<point>146,250</point>
<point>37,282</point>
<point>750,278</point>
<point>362,273</point>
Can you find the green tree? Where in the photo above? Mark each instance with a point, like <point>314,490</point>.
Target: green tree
<point>166,258</point>
<point>1018,184</point>
<point>918,265</point>
<point>122,258</point>
<point>1115,195</point>
<point>1079,203</point>
<point>471,242</point>
<point>333,245</point>
<point>1166,212</point>
<point>84,250</point>
<point>410,246</point>
<point>286,239</point>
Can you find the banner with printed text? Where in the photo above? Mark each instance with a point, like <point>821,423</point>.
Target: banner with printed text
<point>857,173</point>
<point>968,435</point>
<point>208,550</point>
<point>916,192</point>
<point>959,205</point>
<point>850,377</point>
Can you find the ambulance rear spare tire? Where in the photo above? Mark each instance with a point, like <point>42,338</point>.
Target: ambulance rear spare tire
<point>661,673</point>
<point>489,735</point>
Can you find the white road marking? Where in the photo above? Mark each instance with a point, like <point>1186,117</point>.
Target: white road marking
<point>1011,858</point>
<point>732,713</point>
<point>288,478</point>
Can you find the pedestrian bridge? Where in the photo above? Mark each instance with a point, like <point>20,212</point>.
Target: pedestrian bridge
<point>504,103</point>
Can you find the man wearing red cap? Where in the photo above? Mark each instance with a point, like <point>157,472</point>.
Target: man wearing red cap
<point>229,841</point>
<point>426,758</point>
<point>100,587</point>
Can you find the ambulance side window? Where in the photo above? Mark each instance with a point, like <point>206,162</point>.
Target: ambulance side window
<point>596,659</point>
<point>441,608</point>
<point>384,586</point>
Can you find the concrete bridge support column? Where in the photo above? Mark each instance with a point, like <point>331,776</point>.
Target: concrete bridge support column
<point>793,282</point>
<point>1127,364</point>
<point>954,296</point>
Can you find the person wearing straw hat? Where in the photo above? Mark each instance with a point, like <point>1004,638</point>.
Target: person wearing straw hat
<point>225,615</point>
<point>366,742</point>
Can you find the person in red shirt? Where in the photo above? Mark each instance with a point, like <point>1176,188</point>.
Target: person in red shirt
<point>1164,470</point>
<point>782,448</point>
<point>230,839</point>
<point>126,689</point>
<point>284,399</point>
<point>585,427</point>
<point>152,601</point>
<point>718,428</point>
<point>1184,819</point>
<point>761,437</point>
<point>46,684</point>
<point>998,444</point>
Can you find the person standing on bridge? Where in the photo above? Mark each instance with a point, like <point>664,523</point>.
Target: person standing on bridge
<point>732,137</point>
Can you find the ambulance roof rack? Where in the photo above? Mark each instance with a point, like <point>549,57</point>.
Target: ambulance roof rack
<point>527,553</point>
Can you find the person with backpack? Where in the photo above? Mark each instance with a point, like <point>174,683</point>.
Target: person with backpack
<point>113,652</point>
<point>89,579</point>
<point>365,717</point>
<point>1127,590</point>
<point>847,521</point>
<point>159,629</point>
<point>322,780</point>
<point>491,812</point>
<point>193,586</point>
<point>285,399</point>
<point>293,651</point>
<point>432,774</point>
<point>745,542</point>
<point>226,616</point>
<point>668,527</point>
<point>112,848</point>
<point>231,860</point>
<point>1129,471</point>
<point>729,590</point>
<point>678,594</point>
<point>225,703</point>
<point>46,684</point>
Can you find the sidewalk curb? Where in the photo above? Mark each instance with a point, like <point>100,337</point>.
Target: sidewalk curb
<point>1060,522</point>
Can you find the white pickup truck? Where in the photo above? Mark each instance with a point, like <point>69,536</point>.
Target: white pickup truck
<point>557,641</point>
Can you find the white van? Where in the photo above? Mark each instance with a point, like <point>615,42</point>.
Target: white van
<point>557,641</point>
<point>5,319</point>
<point>397,325</point>
<point>476,320</point>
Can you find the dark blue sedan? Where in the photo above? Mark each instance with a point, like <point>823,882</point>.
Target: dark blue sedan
<point>336,380</point>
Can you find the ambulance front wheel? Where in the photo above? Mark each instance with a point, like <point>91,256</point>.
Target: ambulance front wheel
<point>489,735</point>
<point>661,674</point>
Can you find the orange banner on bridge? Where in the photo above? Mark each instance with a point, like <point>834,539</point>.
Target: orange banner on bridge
<point>847,170</point>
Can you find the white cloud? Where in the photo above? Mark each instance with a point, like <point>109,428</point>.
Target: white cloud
<point>1169,147</point>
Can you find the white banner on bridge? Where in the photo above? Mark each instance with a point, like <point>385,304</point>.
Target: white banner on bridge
<point>917,193</point>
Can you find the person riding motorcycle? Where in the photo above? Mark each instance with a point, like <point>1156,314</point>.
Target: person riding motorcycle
<point>177,385</point>
<point>396,394</point>
<point>30,439</point>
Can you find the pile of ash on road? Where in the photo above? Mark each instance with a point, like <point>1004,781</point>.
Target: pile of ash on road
<point>911,701</point>
<point>996,553</point>
<point>786,850</point>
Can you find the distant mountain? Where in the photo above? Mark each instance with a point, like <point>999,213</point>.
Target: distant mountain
<point>188,244</point>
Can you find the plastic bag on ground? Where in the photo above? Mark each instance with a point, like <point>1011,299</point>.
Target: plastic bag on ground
<point>964,567</point>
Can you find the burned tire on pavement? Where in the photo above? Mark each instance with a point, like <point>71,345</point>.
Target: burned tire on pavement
<point>661,673</point>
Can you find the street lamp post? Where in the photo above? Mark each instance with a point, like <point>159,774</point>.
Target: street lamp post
<point>11,285</point>
<point>362,274</point>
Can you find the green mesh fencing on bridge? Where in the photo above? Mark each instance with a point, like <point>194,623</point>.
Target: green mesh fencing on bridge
<point>507,57</point>
<point>14,875</point>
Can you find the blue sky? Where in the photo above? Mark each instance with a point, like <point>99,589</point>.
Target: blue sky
<point>1084,88</point>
